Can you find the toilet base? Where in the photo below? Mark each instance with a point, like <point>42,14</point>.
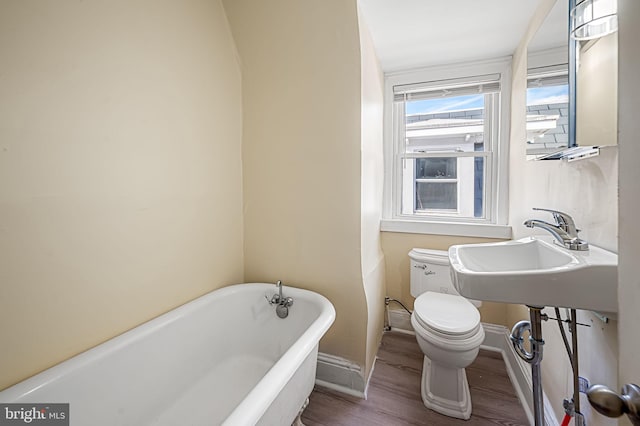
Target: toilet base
<point>446,390</point>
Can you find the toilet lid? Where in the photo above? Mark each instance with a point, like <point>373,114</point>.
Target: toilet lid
<point>446,313</point>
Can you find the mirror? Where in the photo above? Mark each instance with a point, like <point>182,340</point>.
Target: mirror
<point>548,84</point>
<point>572,88</point>
<point>597,91</point>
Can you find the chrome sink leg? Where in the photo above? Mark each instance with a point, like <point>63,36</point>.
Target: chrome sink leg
<point>536,372</point>
<point>534,327</point>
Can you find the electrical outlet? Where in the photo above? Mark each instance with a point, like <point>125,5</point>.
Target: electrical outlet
<point>583,384</point>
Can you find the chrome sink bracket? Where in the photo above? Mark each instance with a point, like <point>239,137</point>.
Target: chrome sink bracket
<point>534,327</point>
<point>601,317</point>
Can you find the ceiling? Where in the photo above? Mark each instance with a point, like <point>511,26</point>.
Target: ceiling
<point>418,33</point>
<point>554,31</point>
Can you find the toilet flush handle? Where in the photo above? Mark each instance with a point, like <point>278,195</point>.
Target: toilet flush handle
<point>424,268</point>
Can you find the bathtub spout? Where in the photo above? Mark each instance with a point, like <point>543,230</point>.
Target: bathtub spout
<point>282,303</point>
<point>276,298</point>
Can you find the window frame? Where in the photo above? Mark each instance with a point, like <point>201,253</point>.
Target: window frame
<point>490,134</point>
<point>496,163</point>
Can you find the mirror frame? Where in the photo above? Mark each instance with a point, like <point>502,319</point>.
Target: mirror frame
<point>573,82</point>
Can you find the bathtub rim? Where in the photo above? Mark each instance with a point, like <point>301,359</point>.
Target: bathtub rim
<point>326,316</point>
<point>281,372</point>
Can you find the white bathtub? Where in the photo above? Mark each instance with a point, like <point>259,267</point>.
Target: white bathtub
<point>224,358</point>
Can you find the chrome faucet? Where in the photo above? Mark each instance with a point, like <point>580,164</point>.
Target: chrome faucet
<point>564,230</point>
<point>282,303</point>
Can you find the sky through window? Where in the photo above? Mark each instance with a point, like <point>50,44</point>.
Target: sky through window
<point>433,106</point>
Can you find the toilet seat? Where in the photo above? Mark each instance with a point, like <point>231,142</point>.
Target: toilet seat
<point>447,315</point>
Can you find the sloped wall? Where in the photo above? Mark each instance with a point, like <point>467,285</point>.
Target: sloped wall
<point>301,93</point>
<point>120,170</point>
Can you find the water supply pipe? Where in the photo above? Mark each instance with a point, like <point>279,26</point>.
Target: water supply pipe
<point>387,301</point>
<point>579,419</point>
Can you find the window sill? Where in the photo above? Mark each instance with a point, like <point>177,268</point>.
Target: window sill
<point>481,230</point>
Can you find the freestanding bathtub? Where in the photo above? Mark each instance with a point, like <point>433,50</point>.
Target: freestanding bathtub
<point>224,358</point>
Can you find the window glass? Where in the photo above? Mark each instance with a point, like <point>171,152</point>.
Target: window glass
<point>436,168</point>
<point>436,195</point>
<point>443,156</point>
<point>447,124</point>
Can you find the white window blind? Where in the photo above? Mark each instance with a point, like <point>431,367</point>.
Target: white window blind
<point>485,84</point>
<point>554,75</point>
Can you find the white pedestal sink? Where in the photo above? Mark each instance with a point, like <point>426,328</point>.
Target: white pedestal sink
<point>536,272</point>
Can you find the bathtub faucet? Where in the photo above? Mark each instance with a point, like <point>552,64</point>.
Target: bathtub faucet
<point>282,303</point>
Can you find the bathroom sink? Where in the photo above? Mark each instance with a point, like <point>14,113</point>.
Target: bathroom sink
<point>536,272</point>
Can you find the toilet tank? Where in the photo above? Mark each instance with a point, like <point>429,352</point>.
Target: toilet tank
<point>430,271</point>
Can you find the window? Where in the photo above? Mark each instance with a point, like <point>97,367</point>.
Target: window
<point>547,109</point>
<point>442,142</point>
<point>436,184</point>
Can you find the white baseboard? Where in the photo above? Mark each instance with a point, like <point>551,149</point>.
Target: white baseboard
<point>342,375</point>
<point>497,339</point>
<point>345,376</point>
<point>400,320</point>
<point>549,417</point>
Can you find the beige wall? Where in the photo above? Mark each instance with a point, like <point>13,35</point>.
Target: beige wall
<point>629,129</point>
<point>120,170</point>
<point>517,150</point>
<point>587,190</point>
<point>372,82</point>
<point>396,247</point>
<point>301,88</point>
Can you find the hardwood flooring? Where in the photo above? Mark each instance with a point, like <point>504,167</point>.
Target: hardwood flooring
<point>394,393</point>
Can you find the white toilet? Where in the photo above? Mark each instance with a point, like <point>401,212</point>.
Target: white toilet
<point>448,331</point>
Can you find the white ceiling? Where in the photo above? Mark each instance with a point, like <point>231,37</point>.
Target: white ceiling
<point>417,33</point>
<point>554,31</point>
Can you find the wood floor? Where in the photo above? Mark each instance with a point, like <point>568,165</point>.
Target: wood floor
<point>394,393</point>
